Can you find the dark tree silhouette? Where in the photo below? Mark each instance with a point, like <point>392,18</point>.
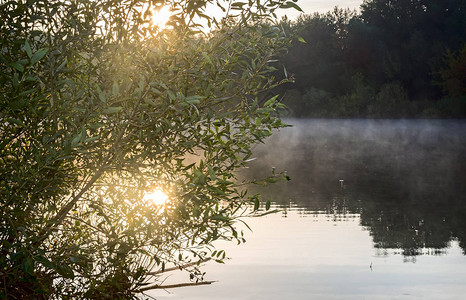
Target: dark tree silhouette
<point>393,53</point>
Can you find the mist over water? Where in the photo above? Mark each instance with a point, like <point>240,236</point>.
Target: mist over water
<point>406,178</point>
<point>423,156</point>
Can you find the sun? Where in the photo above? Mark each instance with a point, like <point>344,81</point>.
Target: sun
<point>160,16</point>
<point>157,197</point>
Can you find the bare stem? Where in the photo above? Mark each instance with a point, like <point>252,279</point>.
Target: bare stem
<point>172,286</point>
<point>177,268</point>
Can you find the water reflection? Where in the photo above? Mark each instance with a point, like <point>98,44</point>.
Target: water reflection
<point>406,180</point>
<point>401,199</point>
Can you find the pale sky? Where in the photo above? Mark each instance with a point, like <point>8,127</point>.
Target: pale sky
<point>321,6</point>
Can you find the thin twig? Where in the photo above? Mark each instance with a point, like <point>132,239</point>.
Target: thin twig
<point>177,268</point>
<point>172,286</point>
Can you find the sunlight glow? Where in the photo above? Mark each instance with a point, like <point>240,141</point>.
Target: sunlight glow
<point>160,16</point>
<point>157,197</point>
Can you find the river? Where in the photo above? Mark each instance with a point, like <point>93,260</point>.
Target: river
<point>375,209</point>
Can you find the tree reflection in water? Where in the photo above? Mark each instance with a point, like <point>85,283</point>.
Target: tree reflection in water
<point>405,179</point>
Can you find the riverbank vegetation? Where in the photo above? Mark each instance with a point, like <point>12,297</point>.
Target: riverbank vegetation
<point>400,59</point>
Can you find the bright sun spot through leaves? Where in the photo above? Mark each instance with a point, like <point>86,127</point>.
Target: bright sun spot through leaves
<point>157,197</point>
<point>160,16</point>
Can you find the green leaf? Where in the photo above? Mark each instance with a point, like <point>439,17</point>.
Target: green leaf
<point>27,92</point>
<point>32,78</point>
<point>220,218</point>
<point>112,110</point>
<point>238,5</point>
<point>272,179</point>
<point>290,4</point>
<point>171,95</point>
<point>18,104</point>
<point>301,40</point>
<point>27,265</point>
<point>15,80</point>
<point>65,271</point>
<point>17,66</point>
<point>271,101</point>
<point>295,6</point>
<point>206,57</point>
<point>102,96</point>
<point>281,105</point>
<point>142,84</point>
<point>27,47</point>
<point>198,174</point>
<point>156,91</point>
<point>212,173</point>
<point>267,204</point>
<point>62,65</point>
<point>115,89</point>
<point>38,55</point>
<point>96,125</point>
<point>91,139</point>
<point>17,122</point>
<point>256,203</point>
<point>194,99</point>
<point>149,101</point>
<point>45,262</point>
<point>75,141</point>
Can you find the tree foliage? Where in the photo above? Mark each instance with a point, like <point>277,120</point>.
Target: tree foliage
<point>97,108</point>
<point>409,45</point>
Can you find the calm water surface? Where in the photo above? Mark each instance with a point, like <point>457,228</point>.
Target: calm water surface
<point>376,209</point>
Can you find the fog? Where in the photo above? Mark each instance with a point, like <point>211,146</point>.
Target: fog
<point>410,158</point>
<point>405,178</point>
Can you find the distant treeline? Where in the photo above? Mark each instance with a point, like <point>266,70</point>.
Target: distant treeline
<point>393,59</point>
